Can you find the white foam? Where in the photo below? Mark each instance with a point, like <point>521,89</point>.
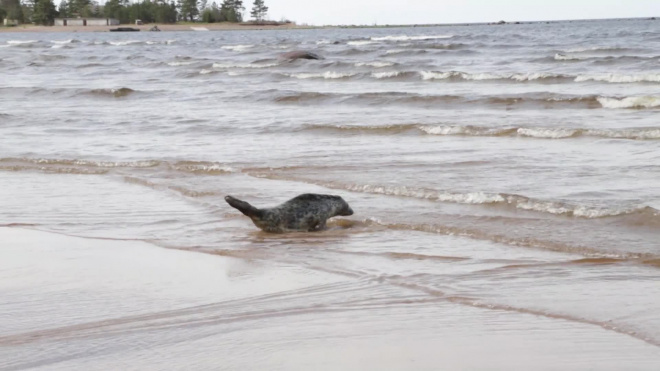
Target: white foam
<point>179,63</point>
<point>430,75</point>
<point>650,133</point>
<point>199,28</point>
<point>242,65</point>
<point>126,42</point>
<point>619,78</point>
<point>395,51</point>
<point>21,42</point>
<point>567,57</point>
<point>69,41</point>
<point>323,42</point>
<point>326,75</point>
<point>359,42</point>
<point>465,198</point>
<point>206,72</point>
<point>374,64</point>
<point>385,75</point>
<point>237,48</point>
<point>547,133</point>
<point>410,38</point>
<point>630,102</point>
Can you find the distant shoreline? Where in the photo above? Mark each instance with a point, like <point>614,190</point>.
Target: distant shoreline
<point>225,26</point>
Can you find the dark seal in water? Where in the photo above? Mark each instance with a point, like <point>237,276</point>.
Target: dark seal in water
<point>308,212</point>
<point>300,54</point>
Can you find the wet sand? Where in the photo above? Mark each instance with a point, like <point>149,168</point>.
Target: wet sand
<point>81,303</point>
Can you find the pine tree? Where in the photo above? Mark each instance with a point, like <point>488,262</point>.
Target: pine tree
<point>43,12</point>
<point>259,10</point>
<point>188,9</point>
<point>63,9</point>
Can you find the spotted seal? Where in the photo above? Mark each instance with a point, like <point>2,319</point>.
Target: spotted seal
<point>307,212</point>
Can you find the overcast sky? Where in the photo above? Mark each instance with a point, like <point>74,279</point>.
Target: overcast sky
<point>322,12</point>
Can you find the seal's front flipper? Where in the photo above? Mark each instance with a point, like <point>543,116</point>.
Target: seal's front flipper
<point>244,207</point>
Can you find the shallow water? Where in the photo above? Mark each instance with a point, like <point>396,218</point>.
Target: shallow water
<point>511,168</point>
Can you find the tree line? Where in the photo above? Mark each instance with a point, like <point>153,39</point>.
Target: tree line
<point>44,12</point>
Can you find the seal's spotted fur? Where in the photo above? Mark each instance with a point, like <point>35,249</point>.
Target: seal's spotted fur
<point>307,212</point>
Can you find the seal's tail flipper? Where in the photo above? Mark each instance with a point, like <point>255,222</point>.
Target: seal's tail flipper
<point>244,207</point>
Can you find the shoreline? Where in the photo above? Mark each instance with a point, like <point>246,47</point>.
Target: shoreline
<point>145,27</point>
<point>225,26</point>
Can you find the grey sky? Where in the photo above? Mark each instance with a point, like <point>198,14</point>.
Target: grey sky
<point>320,12</point>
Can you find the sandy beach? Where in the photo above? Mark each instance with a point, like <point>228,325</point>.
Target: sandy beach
<point>224,26</point>
<point>81,303</point>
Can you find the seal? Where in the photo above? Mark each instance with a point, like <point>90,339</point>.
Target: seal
<point>300,54</point>
<point>305,213</point>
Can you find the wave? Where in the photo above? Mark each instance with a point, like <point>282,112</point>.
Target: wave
<point>619,78</point>
<point>630,102</point>
<point>360,42</point>
<point>411,38</point>
<point>523,101</point>
<point>116,93</point>
<point>521,77</point>
<point>483,131</point>
<point>599,49</point>
<point>328,75</point>
<point>80,166</point>
<point>375,64</point>
<point>201,167</point>
<point>392,74</point>
<point>243,65</point>
<point>237,48</point>
<point>69,41</point>
<point>21,42</point>
<point>515,201</point>
<point>65,166</point>
<point>125,42</point>
<point>180,63</point>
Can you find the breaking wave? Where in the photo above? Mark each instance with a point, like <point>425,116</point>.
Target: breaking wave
<point>411,38</point>
<point>116,93</point>
<point>237,48</point>
<point>630,102</point>
<point>482,131</point>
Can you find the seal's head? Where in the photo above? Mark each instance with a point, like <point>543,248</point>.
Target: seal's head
<point>342,207</point>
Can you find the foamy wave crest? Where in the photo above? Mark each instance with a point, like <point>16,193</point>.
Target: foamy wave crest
<point>242,65</point>
<point>568,57</point>
<point>619,78</point>
<point>548,133</point>
<point>208,168</point>
<point>522,77</point>
<point>329,75</point>
<point>180,63</point>
<point>395,51</point>
<point>323,42</point>
<point>125,42</point>
<point>64,166</point>
<point>385,75</point>
<point>411,38</point>
<point>237,48</point>
<point>374,64</point>
<point>466,198</point>
<point>507,200</point>
<point>360,42</point>
<point>60,42</point>
<point>206,72</point>
<point>483,131</point>
<point>21,42</point>
<point>630,102</point>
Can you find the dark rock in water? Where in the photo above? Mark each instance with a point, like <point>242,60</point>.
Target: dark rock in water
<point>124,29</point>
<point>300,54</point>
